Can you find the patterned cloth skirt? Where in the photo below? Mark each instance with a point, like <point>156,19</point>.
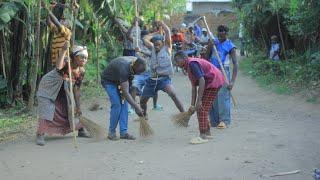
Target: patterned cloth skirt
<point>60,124</point>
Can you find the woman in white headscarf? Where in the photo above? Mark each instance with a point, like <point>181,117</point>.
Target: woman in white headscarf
<point>54,98</point>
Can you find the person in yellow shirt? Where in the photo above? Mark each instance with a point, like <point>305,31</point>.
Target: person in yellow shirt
<point>61,33</point>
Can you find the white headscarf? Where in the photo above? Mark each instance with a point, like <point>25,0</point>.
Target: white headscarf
<point>79,50</point>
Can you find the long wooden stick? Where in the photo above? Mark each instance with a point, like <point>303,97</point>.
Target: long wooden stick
<point>219,60</point>
<point>282,173</point>
<point>75,143</point>
<point>136,23</point>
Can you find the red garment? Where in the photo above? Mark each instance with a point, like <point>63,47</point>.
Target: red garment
<point>177,37</point>
<point>212,75</point>
<point>208,98</point>
<point>60,124</point>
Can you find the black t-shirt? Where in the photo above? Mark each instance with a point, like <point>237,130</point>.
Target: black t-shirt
<point>118,70</point>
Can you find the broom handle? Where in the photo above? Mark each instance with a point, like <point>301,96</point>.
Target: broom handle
<point>136,23</point>
<point>75,143</point>
<point>219,60</point>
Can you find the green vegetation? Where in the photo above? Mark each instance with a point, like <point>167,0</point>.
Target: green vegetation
<point>297,27</point>
<point>25,45</point>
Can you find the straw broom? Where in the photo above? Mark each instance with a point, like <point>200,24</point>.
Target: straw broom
<point>182,119</point>
<point>145,128</point>
<point>95,130</point>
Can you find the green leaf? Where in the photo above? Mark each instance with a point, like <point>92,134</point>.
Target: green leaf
<point>5,17</point>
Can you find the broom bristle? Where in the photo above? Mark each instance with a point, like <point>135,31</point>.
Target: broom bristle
<point>145,128</point>
<point>182,119</point>
<point>95,130</point>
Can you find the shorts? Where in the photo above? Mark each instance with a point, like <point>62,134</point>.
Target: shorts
<point>153,86</point>
<point>129,52</point>
<point>139,81</point>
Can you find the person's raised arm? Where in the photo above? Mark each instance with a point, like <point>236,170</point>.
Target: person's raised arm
<point>147,41</point>
<point>167,34</point>
<point>61,56</point>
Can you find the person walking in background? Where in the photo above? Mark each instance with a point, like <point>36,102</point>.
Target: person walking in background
<point>220,115</point>
<point>274,49</point>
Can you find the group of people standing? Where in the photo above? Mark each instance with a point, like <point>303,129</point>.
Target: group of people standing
<point>145,68</point>
<point>210,92</point>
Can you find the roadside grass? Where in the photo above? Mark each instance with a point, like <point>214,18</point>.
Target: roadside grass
<point>285,85</point>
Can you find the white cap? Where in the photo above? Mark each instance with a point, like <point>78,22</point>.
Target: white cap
<point>204,29</point>
<point>183,25</point>
<point>79,50</point>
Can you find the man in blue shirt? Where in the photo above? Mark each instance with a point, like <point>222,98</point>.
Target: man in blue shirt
<point>220,113</point>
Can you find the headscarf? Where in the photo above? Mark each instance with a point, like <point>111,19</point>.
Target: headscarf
<point>79,50</point>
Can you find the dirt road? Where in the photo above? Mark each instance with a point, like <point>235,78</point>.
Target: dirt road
<point>269,134</point>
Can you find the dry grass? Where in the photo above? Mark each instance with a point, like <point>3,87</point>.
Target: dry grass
<point>95,130</point>
<point>182,119</point>
<point>145,128</point>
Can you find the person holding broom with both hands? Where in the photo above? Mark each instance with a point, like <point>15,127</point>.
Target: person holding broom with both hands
<point>116,80</point>
<point>54,97</point>
<point>206,81</point>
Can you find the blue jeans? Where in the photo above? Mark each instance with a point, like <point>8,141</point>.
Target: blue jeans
<point>220,110</point>
<point>119,110</point>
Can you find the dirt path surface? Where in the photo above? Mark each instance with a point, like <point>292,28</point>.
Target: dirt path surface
<point>269,134</point>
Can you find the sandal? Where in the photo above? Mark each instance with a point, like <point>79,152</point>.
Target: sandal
<point>157,108</point>
<point>222,125</point>
<point>127,136</point>
<point>209,135</point>
<point>198,140</point>
<point>112,137</point>
<point>40,140</point>
<point>82,133</point>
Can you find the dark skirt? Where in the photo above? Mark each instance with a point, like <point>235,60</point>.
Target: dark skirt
<point>60,124</point>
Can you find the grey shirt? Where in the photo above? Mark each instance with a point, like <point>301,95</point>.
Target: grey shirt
<point>161,64</point>
<point>118,70</point>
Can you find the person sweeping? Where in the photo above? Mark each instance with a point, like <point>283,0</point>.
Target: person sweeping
<point>54,100</point>
<point>206,81</point>
<point>116,80</point>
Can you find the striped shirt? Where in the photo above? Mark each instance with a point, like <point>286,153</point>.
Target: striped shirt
<point>60,37</point>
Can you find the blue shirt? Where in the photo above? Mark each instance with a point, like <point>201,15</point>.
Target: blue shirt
<point>197,30</point>
<point>196,70</point>
<point>224,48</point>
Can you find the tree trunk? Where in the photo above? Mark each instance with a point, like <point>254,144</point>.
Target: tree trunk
<point>2,58</point>
<point>281,37</point>
<point>97,51</point>
<point>35,65</point>
<point>17,51</point>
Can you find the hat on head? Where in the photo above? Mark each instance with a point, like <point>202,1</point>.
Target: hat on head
<point>204,29</point>
<point>157,38</point>
<point>183,25</point>
<point>79,50</point>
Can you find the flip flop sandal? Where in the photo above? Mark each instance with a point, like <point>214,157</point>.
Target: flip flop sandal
<point>112,137</point>
<point>158,108</point>
<point>222,125</point>
<point>198,140</point>
<point>128,137</point>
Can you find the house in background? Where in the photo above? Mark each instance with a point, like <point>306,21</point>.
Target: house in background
<point>207,6</point>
